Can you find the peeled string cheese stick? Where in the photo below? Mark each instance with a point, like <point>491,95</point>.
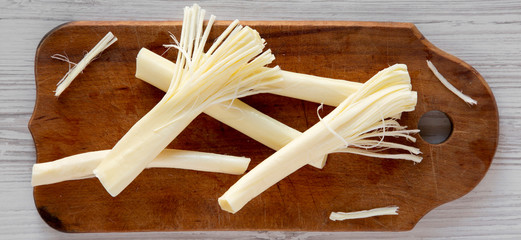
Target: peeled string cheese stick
<point>80,166</point>
<point>232,67</point>
<point>364,116</point>
<point>340,216</point>
<point>157,71</point>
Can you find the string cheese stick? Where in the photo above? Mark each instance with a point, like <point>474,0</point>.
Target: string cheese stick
<point>80,166</point>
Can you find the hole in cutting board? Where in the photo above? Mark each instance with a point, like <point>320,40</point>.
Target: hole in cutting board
<point>435,127</point>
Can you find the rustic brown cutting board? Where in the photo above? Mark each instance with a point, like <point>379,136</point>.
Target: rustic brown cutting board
<point>106,100</point>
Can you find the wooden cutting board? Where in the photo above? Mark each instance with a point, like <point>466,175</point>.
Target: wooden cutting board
<point>106,100</point>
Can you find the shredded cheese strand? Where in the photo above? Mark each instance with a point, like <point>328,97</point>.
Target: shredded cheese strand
<point>340,216</point>
<point>67,79</point>
<point>346,144</point>
<point>449,86</point>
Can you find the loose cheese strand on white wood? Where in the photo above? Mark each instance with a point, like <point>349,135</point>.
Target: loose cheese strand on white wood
<point>105,42</point>
<point>158,71</point>
<point>385,95</point>
<point>449,86</point>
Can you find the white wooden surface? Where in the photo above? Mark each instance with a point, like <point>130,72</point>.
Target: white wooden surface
<point>485,34</point>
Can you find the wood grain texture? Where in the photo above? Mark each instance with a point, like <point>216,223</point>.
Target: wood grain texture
<point>106,100</point>
<point>485,34</point>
